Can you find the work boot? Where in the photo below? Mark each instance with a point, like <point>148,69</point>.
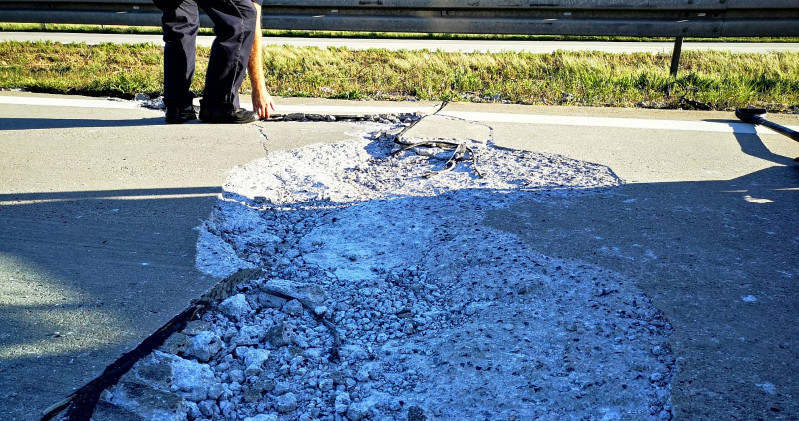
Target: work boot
<point>180,115</point>
<point>225,114</point>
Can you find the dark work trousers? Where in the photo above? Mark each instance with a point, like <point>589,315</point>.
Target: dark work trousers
<point>234,27</point>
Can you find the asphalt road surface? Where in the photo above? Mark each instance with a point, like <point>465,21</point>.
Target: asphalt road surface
<point>98,201</point>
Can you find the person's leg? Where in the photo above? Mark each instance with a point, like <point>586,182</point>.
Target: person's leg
<point>180,23</point>
<point>234,26</point>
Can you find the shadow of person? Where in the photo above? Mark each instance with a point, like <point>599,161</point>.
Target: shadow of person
<point>751,144</point>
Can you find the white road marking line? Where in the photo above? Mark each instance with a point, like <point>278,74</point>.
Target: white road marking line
<point>69,102</point>
<point>282,109</point>
<point>22,202</point>
<point>614,122</point>
<point>551,120</point>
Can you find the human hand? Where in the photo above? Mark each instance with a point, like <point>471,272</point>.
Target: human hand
<point>262,103</point>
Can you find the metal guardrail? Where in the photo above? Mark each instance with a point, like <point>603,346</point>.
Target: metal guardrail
<point>638,18</point>
<point>661,18</point>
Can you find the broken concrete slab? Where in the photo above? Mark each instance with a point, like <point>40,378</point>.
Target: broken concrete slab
<point>97,242</point>
<point>736,205</point>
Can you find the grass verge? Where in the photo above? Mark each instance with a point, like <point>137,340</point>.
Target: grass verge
<point>120,29</point>
<point>719,80</point>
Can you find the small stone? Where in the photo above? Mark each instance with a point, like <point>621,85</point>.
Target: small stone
<point>228,409</point>
<point>287,402</point>
<point>276,335</point>
<point>192,378</point>
<point>236,376</point>
<point>253,370</point>
<point>314,294</point>
<point>215,391</point>
<point>337,377</point>
<point>269,300</point>
<point>325,385</point>
<point>242,351</point>
<point>207,408</point>
<point>655,377</point>
<point>342,403</point>
<point>264,386</point>
<point>235,307</point>
<point>204,346</point>
<point>248,335</point>
<point>106,395</point>
<point>252,395</point>
<point>664,416</point>
<point>193,411</point>
<point>416,413</point>
<point>256,357</point>
<point>359,411</point>
<point>362,375</point>
<point>282,388</point>
<point>320,310</point>
<point>293,307</point>
<point>176,344</point>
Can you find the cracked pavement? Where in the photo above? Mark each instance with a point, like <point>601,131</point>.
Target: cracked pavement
<point>97,246</point>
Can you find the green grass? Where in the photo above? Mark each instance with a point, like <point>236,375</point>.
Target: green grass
<point>116,29</point>
<point>722,80</point>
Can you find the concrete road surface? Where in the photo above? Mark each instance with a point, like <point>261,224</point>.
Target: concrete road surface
<point>98,205</point>
<point>466,46</point>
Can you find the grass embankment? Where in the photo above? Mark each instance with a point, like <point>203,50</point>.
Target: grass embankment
<point>722,80</point>
<point>151,30</point>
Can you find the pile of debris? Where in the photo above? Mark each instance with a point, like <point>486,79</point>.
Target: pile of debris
<point>382,296</point>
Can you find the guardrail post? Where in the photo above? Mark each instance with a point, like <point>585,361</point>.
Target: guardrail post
<point>675,56</point>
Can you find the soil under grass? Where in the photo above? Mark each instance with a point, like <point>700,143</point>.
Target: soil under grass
<point>717,80</point>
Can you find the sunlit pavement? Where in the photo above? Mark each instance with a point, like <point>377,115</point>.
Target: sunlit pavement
<point>98,206</point>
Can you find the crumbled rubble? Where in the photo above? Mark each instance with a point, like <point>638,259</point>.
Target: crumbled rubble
<point>385,298</point>
<point>157,103</point>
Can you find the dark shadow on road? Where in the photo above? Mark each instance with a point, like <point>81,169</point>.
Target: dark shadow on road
<point>752,145</point>
<point>699,248</point>
<point>69,123</point>
<point>104,269</point>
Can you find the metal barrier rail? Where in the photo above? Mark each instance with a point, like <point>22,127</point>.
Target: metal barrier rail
<point>661,18</point>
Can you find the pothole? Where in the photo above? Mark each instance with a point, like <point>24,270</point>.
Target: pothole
<point>438,316</point>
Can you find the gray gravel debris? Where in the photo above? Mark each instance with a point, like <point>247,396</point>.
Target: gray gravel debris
<point>435,312</point>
